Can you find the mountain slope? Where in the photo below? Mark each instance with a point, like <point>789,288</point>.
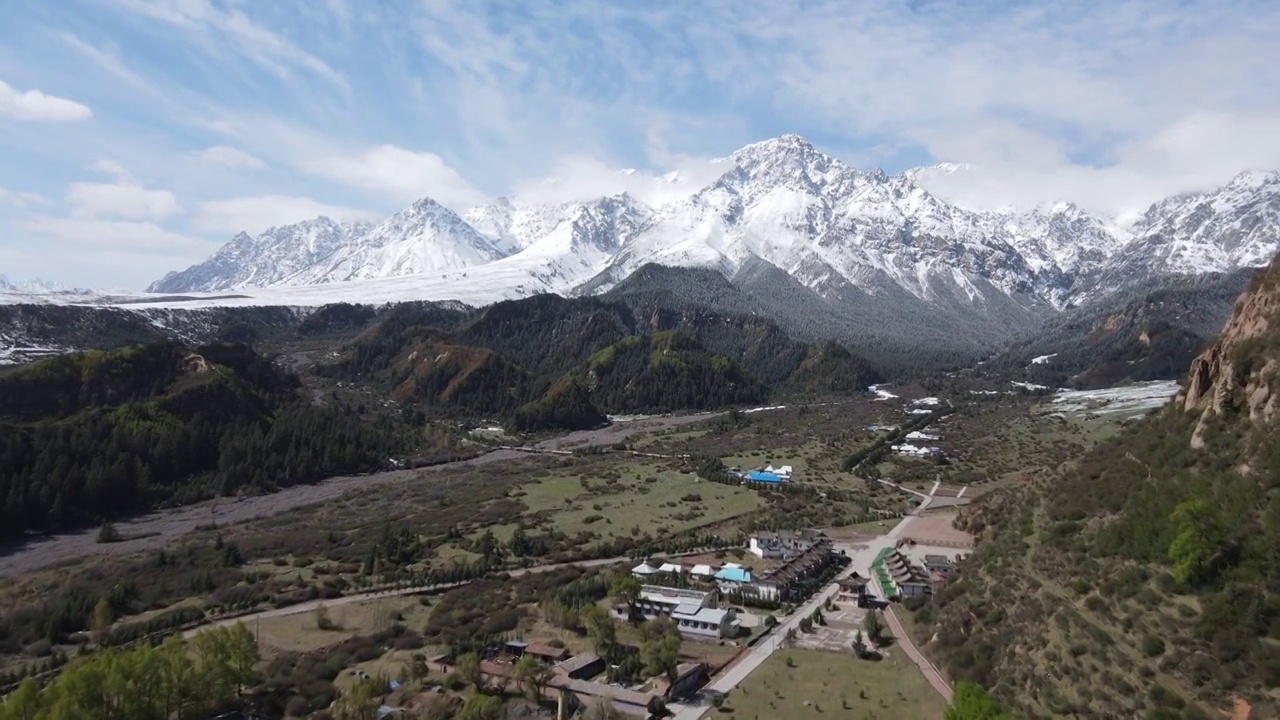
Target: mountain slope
<point>1235,226</point>
<point>1147,332</point>
<point>274,257</point>
<point>424,238</point>
<point>93,436</point>
<point>1142,580</point>
<point>878,256</point>
<point>665,372</point>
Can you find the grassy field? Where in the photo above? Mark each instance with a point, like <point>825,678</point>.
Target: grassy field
<point>299,633</point>
<point>817,684</point>
<point>635,497</point>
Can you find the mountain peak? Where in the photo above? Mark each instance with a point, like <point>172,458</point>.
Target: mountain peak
<point>1254,179</point>
<point>790,144</point>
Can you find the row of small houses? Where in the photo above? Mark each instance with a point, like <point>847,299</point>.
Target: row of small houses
<point>912,579</point>
<point>803,555</point>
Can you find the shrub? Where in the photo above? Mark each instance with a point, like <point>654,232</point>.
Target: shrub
<point>1152,646</point>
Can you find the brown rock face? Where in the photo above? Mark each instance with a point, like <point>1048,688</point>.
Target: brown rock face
<point>1239,372</point>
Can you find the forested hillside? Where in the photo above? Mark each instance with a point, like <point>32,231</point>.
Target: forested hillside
<point>1144,579</point>
<point>918,340</point>
<point>1146,333</point>
<point>91,436</point>
<point>551,362</point>
<point>664,372</point>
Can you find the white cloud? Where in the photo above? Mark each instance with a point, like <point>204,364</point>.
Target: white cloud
<point>35,105</point>
<point>406,174</point>
<point>255,214</point>
<point>230,157</point>
<point>1200,151</point>
<point>1111,106</point>
<point>121,199</point>
<point>111,234</point>
<point>260,44</point>
<point>84,252</point>
<point>109,167</point>
<point>581,177</point>
<point>222,127</point>
<point>21,199</point>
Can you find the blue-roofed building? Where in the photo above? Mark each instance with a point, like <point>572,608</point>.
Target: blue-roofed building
<point>764,477</point>
<point>734,574</point>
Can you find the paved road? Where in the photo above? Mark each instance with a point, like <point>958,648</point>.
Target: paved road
<point>861,557</point>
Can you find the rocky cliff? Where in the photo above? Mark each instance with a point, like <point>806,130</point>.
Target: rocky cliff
<point>1237,374</point>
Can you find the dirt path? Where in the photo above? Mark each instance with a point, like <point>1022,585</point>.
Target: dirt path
<point>930,672</point>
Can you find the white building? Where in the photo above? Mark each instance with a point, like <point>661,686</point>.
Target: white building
<point>782,545</point>
<point>782,471</point>
<point>916,450</point>
<point>694,612</point>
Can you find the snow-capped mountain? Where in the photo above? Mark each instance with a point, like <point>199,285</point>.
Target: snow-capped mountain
<point>425,237</point>
<point>834,229</point>
<point>1237,225</point>
<point>273,257</point>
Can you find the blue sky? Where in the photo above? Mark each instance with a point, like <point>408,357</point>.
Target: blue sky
<point>138,135</point>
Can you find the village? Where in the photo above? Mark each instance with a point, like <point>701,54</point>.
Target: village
<point>792,589</point>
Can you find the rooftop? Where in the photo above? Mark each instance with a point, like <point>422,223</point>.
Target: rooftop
<point>715,616</point>
<point>600,690</point>
<point>546,651</point>
<point>734,574</point>
<point>659,593</point>
<point>577,662</point>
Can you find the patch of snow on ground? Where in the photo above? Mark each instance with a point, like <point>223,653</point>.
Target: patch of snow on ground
<point>1042,359</point>
<point>881,394</point>
<point>1134,399</point>
<point>765,409</point>
<point>1029,386</point>
<point>919,411</point>
<point>926,401</point>
<point>984,392</point>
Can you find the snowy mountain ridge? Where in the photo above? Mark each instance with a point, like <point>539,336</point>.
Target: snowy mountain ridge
<point>833,228</point>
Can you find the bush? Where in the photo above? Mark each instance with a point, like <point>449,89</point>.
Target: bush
<point>1152,646</point>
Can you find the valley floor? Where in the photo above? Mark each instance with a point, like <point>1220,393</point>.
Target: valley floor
<point>586,499</point>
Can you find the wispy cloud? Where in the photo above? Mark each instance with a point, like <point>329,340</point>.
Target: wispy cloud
<point>405,173</point>
<point>36,105</point>
<point>21,199</point>
<point>121,199</point>
<point>268,48</point>
<point>257,213</point>
<point>227,156</point>
<point>113,234</point>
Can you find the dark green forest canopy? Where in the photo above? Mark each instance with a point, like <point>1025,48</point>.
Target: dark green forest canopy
<point>535,363</point>
<point>91,436</point>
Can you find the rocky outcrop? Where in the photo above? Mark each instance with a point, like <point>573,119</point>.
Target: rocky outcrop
<point>1239,372</point>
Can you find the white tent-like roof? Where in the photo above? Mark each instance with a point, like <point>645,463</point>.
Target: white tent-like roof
<point>644,568</point>
<point>671,568</point>
<point>702,570</point>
